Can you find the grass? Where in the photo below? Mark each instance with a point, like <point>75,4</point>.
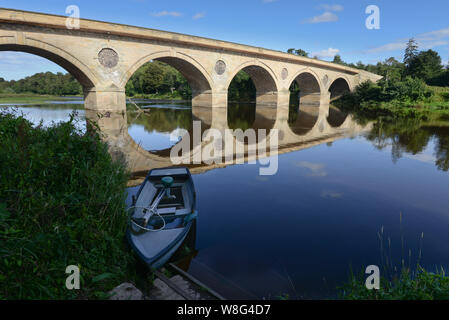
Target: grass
<point>29,98</point>
<point>61,203</point>
<point>421,285</point>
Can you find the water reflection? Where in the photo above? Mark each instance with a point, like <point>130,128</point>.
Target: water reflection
<point>413,138</point>
<point>251,116</point>
<point>302,119</point>
<point>336,117</point>
<point>136,135</point>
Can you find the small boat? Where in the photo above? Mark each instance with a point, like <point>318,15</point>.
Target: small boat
<point>161,215</point>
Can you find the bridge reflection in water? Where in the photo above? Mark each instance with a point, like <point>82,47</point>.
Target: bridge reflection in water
<point>298,128</point>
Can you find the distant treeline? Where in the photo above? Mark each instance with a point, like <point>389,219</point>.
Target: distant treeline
<point>158,78</point>
<point>43,83</point>
<point>423,65</point>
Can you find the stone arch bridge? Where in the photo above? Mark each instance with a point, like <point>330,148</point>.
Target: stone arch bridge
<point>103,56</point>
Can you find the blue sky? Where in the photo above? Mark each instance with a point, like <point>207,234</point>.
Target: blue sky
<point>322,28</point>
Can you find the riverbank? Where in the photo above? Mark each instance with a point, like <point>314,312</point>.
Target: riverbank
<point>410,98</point>
<point>30,98</point>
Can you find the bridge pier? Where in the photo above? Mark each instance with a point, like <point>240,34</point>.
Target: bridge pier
<point>267,98</point>
<point>210,99</point>
<point>321,100</point>
<point>314,98</point>
<point>105,100</point>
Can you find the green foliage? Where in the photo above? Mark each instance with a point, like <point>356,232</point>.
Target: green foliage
<point>423,285</point>
<point>43,83</point>
<point>411,51</point>
<point>410,90</point>
<point>158,78</point>
<point>338,60</point>
<point>61,203</point>
<point>426,65</point>
<point>298,52</point>
<point>441,79</point>
<point>242,88</point>
<point>396,99</point>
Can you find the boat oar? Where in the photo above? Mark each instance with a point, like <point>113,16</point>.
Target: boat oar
<point>167,182</point>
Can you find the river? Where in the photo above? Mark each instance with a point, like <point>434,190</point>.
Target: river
<point>329,208</point>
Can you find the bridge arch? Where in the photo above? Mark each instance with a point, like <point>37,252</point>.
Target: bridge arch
<point>72,65</point>
<point>196,75</point>
<point>264,80</point>
<point>310,87</point>
<point>338,87</point>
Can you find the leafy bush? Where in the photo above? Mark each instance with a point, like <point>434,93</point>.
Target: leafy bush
<point>409,90</point>
<point>393,99</point>
<point>61,203</point>
<point>440,80</point>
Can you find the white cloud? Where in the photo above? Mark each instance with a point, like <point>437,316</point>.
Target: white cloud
<point>325,17</point>
<point>332,7</point>
<point>199,15</point>
<point>422,157</point>
<point>167,13</point>
<point>316,169</point>
<point>428,40</point>
<point>328,53</point>
<point>17,65</point>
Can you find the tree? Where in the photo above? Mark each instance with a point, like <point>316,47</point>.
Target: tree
<point>337,59</point>
<point>302,53</point>
<point>393,70</point>
<point>298,52</point>
<point>426,65</point>
<point>411,51</point>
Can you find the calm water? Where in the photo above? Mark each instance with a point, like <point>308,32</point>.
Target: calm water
<point>300,231</point>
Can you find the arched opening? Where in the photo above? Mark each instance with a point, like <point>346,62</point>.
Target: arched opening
<point>253,84</point>
<point>305,89</point>
<point>338,88</point>
<point>82,75</point>
<point>173,77</point>
<point>252,98</point>
<point>167,89</point>
<point>51,87</point>
<point>305,98</point>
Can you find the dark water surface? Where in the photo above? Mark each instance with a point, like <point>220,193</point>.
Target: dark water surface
<point>300,231</point>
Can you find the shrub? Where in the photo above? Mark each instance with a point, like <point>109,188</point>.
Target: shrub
<point>61,203</point>
<point>409,90</point>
